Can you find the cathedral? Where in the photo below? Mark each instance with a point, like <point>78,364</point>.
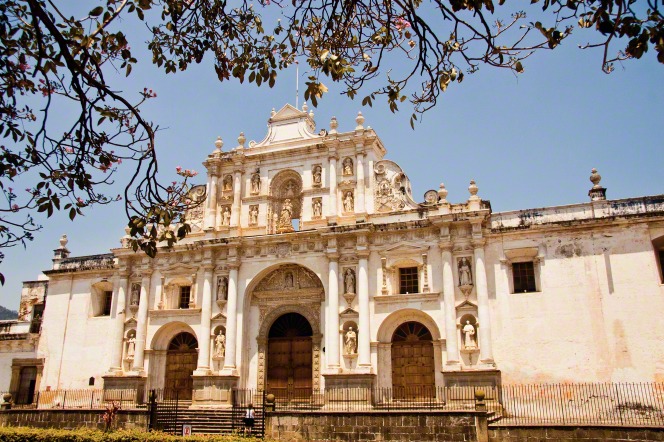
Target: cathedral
<point>312,268</point>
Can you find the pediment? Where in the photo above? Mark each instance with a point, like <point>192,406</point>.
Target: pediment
<point>349,313</point>
<point>179,269</point>
<point>131,322</point>
<point>286,113</point>
<point>405,249</point>
<point>218,317</point>
<point>466,305</point>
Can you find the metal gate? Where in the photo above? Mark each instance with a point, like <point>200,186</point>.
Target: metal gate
<point>165,410</point>
<point>241,401</point>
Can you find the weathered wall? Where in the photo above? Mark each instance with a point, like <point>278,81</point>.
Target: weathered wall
<point>585,322</point>
<point>527,434</point>
<point>361,426</point>
<point>72,419</point>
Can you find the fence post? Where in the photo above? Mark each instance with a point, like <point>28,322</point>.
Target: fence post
<point>37,402</point>
<point>618,407</point>
<point>64,399</point>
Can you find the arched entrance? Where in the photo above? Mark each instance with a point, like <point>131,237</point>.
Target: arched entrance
<point>181,359</point>
<point>289,358</point>
<point>413,374</point>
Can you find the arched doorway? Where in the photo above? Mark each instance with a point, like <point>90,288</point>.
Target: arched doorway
<point>413,374</point>
<point>289,358</point>
<point>181,359</point>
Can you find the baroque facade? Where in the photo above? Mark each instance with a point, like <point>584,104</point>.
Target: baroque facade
<point>310,266</point>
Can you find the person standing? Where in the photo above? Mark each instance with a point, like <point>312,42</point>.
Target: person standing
<point>249,419</point>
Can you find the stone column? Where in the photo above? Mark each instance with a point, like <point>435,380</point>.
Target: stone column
<point>451,341</point>
<point>211,215</point>
<point>142,322</point>
<point>359,203</point>
<point>237,199</point>
<point>332,209</point>
<point>333,314</point>
<point>486,354</point>
<point>206,313</point>
<point>364,338</point>
<point>231,321</point>
<point>120,293</point>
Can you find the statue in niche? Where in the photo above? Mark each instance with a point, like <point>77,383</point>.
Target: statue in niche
<point>349,281</point>
<point>469,336</point>
<point>350,342</point>
<point>317,175</point>
<point>255,184</point>
<point>228,183</point>
<point>465,272</point>
<point>317,208</point>
<point>348,166</point>
<point>286,215</point>
<point>253,215</point>
<point>135,294</point>
<point>131,346</point>
<point>288,280</point>
<point>222,289</point>
<point>290,190</point>
<point>348,202</point>
<point>226,216</point>
<point>220,345</point>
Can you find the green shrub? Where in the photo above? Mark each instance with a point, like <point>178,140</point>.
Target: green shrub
<point>28,434</point>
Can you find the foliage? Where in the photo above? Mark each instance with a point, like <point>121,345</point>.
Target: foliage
<point>27,434</point>
<point>110,413</point>
<point>52,62</point>
<point>5,313</point>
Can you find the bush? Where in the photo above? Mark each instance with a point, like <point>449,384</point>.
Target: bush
<point>27,434</point>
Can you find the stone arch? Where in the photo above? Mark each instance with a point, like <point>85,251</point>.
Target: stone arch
<point>273,299</point>
<point>395,319</point>
<point>384,336</point>
<point>162,338</point>
<point>285,195</point>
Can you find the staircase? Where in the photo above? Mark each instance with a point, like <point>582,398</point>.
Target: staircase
<point>170,419</point>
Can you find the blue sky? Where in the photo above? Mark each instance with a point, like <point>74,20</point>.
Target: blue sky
<point>528,140</point>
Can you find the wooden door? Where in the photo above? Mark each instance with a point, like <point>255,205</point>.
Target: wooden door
<point>181,361</point>
<point>412,362</point>
<point>290,372</point>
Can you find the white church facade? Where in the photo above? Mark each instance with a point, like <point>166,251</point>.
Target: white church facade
<point>311,267</point>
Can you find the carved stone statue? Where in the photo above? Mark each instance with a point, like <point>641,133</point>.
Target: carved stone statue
<point>228,182</point>
<point>349,281</point>
<point>288,280</point>
<point>350,342</point>
<point>253,215</point>
<point>348,202</point>
<point>317,175</point>
<point>317,208</point>
<point>135,294</point>
<point>131,346</point>
<point>255,184</point>
<point>469,336</point>
<point>226,216</point>
<point>286,215</point>
<point>465,272</point>
<point>348,166</point>
<point>222,289</point>
<point>220,345</point>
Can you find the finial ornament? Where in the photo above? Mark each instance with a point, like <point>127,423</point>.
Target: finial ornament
<point>218,144</point>
<point>273,113</point>
<point>472,188</point>
<point>333,125</point>
<point>240,140</point>
<point>442,193</point>
<point>305,107</point>
<point>63,241</point>
<point>597,192</point>
<point>595,178</point>
<point>360,121</point>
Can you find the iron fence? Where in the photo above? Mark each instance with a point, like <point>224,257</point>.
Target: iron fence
<point>88,399</point>
<point>625,404</point>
